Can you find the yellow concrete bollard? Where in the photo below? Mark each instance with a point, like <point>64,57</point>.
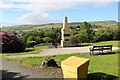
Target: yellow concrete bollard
<point>75,68</point>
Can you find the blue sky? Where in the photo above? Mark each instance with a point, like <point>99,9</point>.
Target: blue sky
<point>18,12</point>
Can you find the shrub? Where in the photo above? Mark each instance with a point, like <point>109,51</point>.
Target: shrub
<point>10,43</point>
<point>47,39</point>
<point>30,43</point>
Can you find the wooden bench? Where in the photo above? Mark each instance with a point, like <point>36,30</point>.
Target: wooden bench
<point>100,48</point>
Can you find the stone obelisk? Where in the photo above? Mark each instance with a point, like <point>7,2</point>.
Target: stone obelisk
<point>65,34</point>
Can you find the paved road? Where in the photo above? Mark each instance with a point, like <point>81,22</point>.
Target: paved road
<point>57,51</point>
<point>11,69</point>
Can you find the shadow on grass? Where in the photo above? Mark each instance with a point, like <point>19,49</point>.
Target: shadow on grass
<point>85,45</point>
<point>101,76</point>
<point>107,53</point>
<point>27,50</point>
<point>5,75</point>
<point>81,45</point>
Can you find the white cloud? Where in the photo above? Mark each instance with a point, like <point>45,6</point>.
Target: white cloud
<point>49,5</point>
<point>38,8</point>
<point>61,0</point>
<point>38,18</point>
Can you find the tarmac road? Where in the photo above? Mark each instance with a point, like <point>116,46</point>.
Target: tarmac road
<point>11,69</point>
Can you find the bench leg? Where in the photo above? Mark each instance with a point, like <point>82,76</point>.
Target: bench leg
<point>102,51</point>
<point>93,52</point>
<point>90,52</point>
<point>110,50</point>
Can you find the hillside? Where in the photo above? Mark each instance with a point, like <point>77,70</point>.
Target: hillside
<point>104,23</point>
<point>111,24</point>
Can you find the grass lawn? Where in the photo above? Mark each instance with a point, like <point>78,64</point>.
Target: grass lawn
<point>27,51</point>
<point>104,64</point>
<point>114,43</point>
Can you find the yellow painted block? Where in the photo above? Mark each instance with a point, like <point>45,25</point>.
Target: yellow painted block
<point>75,67</point>
<point>69,74</point>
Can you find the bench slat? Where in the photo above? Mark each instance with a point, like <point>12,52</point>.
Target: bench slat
<point>100,48</point>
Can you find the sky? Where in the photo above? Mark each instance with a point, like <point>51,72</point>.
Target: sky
<point>19,12</point>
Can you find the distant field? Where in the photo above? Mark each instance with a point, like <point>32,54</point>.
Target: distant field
<point>104,23</point>
<point>111,24</point>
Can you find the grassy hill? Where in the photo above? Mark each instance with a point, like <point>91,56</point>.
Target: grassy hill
<point>104,23</point>
<point>111,24</point>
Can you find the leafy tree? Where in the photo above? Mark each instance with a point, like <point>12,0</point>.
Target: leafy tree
<point>47,39</point>
<point>116,35</point>
<point>30,43</point>
<point>75,39</point>
<point>41,34</point>
<point>105,35</point>
<point>38,40</point>
<point>78,38</point>
<point>25,36</point>
<point>14,32</point>
<point>31,38</point>
<point>72,33</point>
<point>86,29</point>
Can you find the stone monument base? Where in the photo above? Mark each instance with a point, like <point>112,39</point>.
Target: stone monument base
<point>65,43</point>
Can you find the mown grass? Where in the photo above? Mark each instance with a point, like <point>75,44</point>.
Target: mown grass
<point>27,51</point>
<point>103,63</point>
<point>85,44</point>
<point>41,47</point>
<point>114,43</point>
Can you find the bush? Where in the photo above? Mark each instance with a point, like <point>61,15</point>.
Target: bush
<point>10,43</point>
<point>47,39</point>
<point>30,43</point>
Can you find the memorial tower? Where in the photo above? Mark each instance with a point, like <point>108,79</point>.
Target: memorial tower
<point>65,34</point>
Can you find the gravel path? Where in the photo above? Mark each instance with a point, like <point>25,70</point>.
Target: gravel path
<point>14,70</point>
<point>57,51</point>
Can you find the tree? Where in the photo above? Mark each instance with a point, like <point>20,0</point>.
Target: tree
<point>78,38</point>
<point>31,38</point>
<point>14,32</point>
<point>105,35</point>
<point>49,34</point>
<point>75,39</point>
<point>116,35</point>
<point>86,29</point>
<point>30,43</point>
<point>47,39</point>
<point>38,40</point>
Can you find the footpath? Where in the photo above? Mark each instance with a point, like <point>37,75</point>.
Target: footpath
<point>58,51</point>
<point>11,69</point>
